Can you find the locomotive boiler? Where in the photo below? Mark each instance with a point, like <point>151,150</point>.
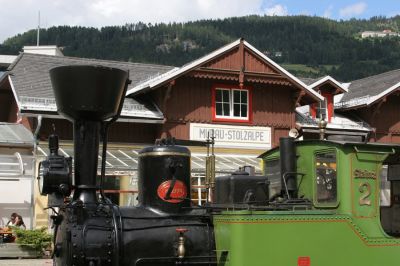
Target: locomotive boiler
<point>318,202</point>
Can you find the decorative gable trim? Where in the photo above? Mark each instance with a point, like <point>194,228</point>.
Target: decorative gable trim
<point>328,79</point>
<point>175,73</point>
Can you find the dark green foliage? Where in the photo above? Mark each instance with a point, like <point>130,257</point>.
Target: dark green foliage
<point>310,41</point>
<point>37,239</point>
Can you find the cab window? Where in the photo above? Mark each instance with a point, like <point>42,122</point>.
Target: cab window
<point>326,178</point>
<point>273,172</point>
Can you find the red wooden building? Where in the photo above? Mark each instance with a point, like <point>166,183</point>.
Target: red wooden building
<point>246,98</point>
<point>236,92</point>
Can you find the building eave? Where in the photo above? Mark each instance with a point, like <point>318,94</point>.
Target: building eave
<point>342,87</point>
<point>291,77</point>
<point>381,95</point>
<point>175,73</point>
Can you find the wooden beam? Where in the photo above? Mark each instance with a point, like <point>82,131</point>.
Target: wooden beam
<point>237,72</point>
<point>242,63</point>
<point>377,108</point>
<point>299,97</point>
<point>167,95</point>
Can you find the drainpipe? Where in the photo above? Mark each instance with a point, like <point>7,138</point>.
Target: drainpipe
<point>35,170</point>
<point>36,134</point>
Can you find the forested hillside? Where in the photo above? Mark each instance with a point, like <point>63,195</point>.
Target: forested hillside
<point>307,46</point>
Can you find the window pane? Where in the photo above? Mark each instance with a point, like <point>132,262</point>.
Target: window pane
<point>385,187</point>
<point>225,96</point>
<point>218,96</point>
<point>226,109</point>
<point>243,96</point>
<point>236,110</point>
<point>236,96</point>
<point>244,110</point>
<point>218,108</point>
<point>321,109</point>
<point>326,177</point>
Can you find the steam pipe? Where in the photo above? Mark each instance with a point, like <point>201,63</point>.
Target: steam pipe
<point>86,149</point>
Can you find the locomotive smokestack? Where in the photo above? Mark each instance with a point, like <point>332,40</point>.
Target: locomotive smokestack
<point>88,96</point>
<point>288,167</point>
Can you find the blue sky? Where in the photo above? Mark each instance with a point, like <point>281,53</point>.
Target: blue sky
<point>18,16</point>
<point>339,9</point>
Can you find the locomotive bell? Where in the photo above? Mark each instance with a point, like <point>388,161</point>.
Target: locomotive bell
<point>88,92</point>
<point>164,178</point>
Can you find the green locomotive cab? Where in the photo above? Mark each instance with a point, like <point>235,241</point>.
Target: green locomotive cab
<point>345,209</point>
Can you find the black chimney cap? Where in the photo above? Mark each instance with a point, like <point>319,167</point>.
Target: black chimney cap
<point>88,92</point>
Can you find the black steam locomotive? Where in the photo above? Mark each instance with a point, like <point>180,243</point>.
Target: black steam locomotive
<point>89,230</point>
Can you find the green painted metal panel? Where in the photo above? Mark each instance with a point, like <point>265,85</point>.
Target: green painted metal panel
<point>328,240</point>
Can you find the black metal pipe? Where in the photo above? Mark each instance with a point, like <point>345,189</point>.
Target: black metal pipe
<point>288,167</point>
<point>86,148</point>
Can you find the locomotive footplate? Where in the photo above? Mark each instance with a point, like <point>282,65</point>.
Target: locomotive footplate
<point>195,260</point>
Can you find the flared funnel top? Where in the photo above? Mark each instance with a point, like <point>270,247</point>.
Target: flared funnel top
<point>88,92</point>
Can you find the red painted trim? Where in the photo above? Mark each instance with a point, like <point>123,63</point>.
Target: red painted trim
<point>313,110</point>
<point>233,120</point>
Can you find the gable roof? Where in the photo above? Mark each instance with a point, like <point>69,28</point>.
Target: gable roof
<point>340,87</point>
<point>367,91</point>
<point>177,72</point>
<point>30,81</point>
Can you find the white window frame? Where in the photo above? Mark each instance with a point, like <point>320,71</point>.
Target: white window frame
<point>231,104</point>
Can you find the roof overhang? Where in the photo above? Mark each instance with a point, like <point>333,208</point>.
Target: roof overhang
<point>15,135</point>
<point>122,159</point>
<point>340,87</point>
<point>177,72</point>
<point>367,100</point>
<point>132,111</point>
<point>383,94</point>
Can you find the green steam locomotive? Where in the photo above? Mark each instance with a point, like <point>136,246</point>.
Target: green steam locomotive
<point>333,210</point>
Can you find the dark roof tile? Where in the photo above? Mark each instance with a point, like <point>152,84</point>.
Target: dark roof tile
<point>371,86</point>
<point>30,72</point>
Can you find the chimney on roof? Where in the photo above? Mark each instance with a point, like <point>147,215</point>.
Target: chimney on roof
<point>43,49</point>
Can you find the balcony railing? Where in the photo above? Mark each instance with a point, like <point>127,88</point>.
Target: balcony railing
<point>49,104</point>
<point>354,102</point>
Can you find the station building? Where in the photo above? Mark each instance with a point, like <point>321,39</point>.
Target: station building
<point>236,93</point>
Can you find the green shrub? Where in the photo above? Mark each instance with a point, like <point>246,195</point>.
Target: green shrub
<point>37,239</point>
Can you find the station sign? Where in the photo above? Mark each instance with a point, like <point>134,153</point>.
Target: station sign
<point>229,136</point>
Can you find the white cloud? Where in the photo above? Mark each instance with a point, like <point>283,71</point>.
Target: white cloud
<point>276,10</point>
<point>353,10</point>
<point>328,12</point>
<point>22,15</point>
